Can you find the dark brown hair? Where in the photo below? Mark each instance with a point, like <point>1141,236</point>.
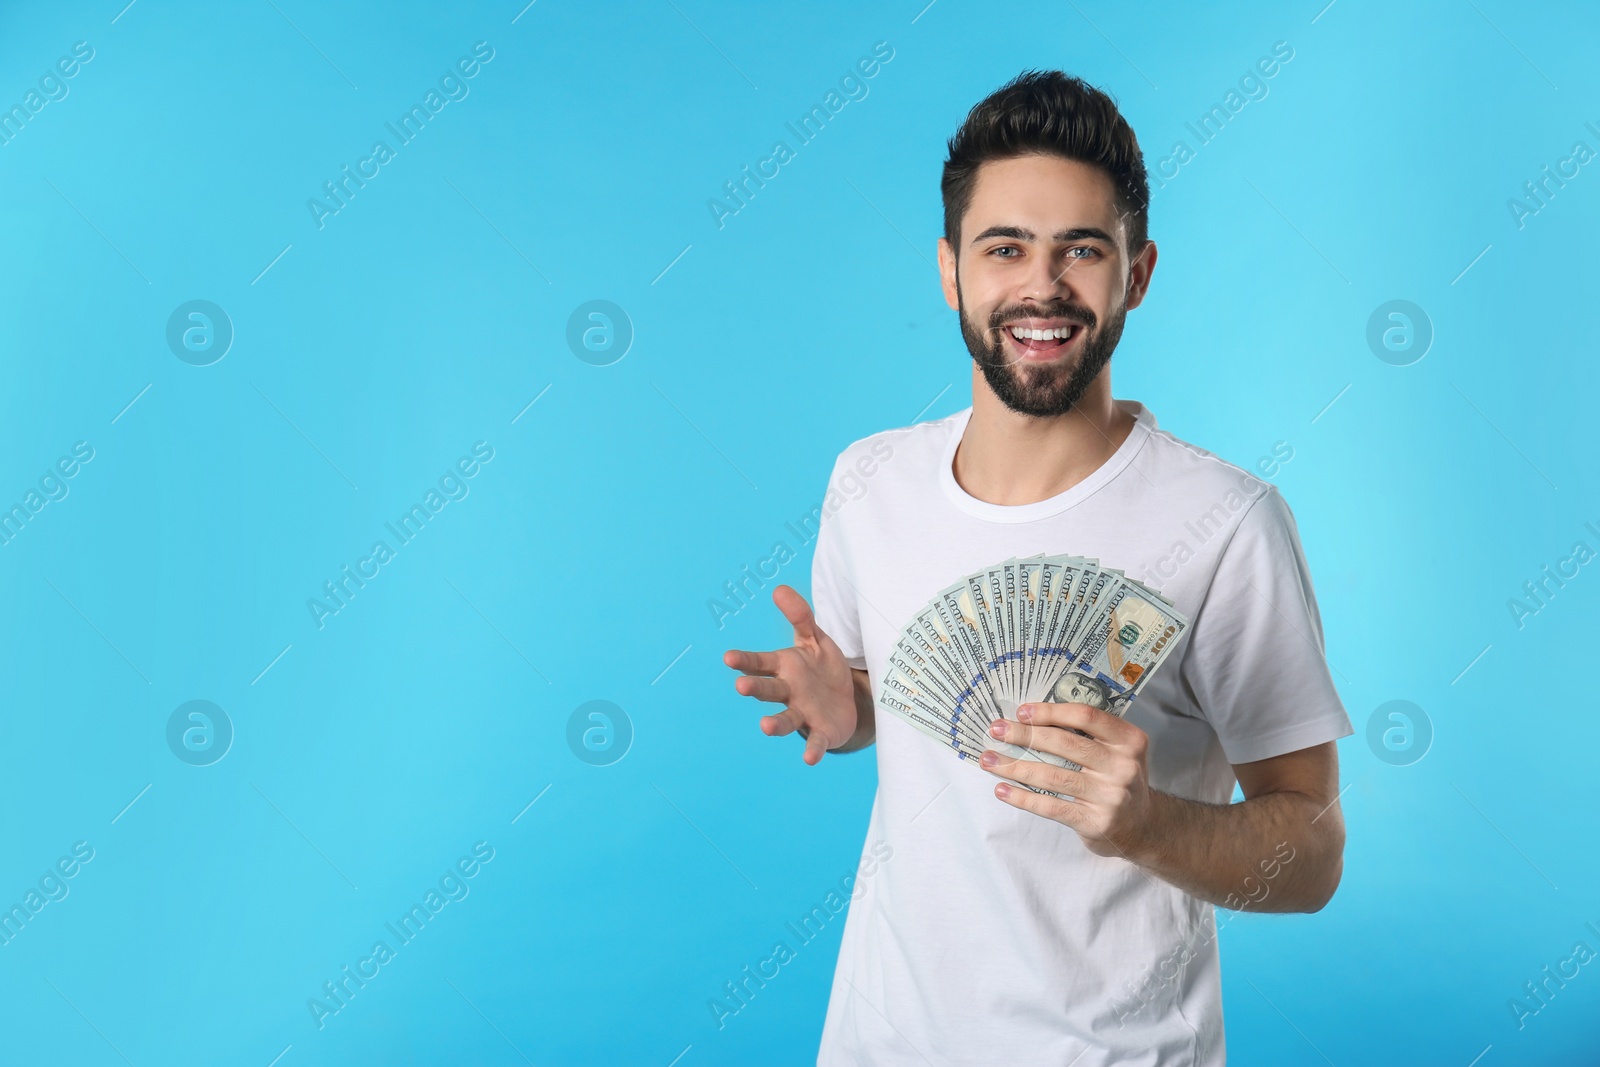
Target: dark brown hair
<point>1051,113</point>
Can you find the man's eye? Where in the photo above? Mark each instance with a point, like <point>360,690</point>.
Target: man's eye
<point>1005,248</point>
<point>1084,248</point>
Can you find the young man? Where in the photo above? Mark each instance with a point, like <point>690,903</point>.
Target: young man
<point>1012,927</point>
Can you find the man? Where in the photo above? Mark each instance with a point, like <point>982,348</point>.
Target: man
<point>1010,926</point>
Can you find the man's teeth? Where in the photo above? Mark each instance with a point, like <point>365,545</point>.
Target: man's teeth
<point>1060,333</point>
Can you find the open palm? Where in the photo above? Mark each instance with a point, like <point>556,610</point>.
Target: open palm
<point>811,679</point>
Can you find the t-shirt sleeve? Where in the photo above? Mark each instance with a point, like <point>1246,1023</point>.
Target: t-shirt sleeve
<point>1255,661</point>
<point>833,593</point>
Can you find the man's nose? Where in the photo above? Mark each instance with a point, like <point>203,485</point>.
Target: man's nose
<point>1048,279</point>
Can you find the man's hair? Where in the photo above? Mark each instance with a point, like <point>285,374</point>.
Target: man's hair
<point>1051,113</point>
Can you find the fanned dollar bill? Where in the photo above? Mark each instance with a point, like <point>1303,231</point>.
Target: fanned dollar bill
<point>1047,629</point>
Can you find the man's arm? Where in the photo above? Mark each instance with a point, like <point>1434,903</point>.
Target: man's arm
<point>1281,849</point>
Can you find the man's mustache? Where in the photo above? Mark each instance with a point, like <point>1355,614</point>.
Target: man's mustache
<point>1080,315</point>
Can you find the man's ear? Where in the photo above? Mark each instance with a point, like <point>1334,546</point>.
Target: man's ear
<point>1143,266</point>
<point>947,274</point>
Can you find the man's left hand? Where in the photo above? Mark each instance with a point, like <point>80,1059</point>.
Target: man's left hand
<point>1113,801</point>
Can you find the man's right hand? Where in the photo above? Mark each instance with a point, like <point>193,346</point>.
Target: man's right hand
<point>827,701</point>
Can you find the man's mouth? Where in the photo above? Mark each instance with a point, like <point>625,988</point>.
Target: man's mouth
<point>1040,342</point>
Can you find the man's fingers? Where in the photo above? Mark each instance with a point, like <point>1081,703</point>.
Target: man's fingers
<point>797,611</point>
<point>1100,725</point>
<point>1055,740</point>
<point>780,725</point>
<point>765,663</point>
<point>1050,807</point>
<point>789,721</point>
<point>771,690</point>
<point>1032,772</point>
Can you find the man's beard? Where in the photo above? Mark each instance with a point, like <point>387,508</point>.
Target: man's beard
<point>1041,389</point>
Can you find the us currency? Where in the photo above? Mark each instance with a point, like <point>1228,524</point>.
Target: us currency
<point>1112,668</point>
<point>1062,629</point>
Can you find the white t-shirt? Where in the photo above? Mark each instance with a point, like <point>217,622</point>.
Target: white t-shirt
<point>992,935</point>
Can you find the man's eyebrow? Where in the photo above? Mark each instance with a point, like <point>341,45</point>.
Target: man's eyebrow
<point>1017,233</point>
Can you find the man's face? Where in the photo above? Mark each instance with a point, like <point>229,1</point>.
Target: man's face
<point>1043,250</point>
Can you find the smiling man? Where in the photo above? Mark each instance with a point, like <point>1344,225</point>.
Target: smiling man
<point>1012,927</point>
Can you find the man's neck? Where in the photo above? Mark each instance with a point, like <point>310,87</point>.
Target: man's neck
<point>1011,459</point>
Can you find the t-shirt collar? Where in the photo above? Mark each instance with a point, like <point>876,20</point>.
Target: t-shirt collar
<point>1144,423</point>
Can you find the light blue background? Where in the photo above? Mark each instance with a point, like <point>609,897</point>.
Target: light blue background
<point>429,312</point>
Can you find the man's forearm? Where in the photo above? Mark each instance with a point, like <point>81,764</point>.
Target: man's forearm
<point>1273,852</point>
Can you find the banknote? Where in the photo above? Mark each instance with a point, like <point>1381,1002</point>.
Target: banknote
<point>1045,628</point>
